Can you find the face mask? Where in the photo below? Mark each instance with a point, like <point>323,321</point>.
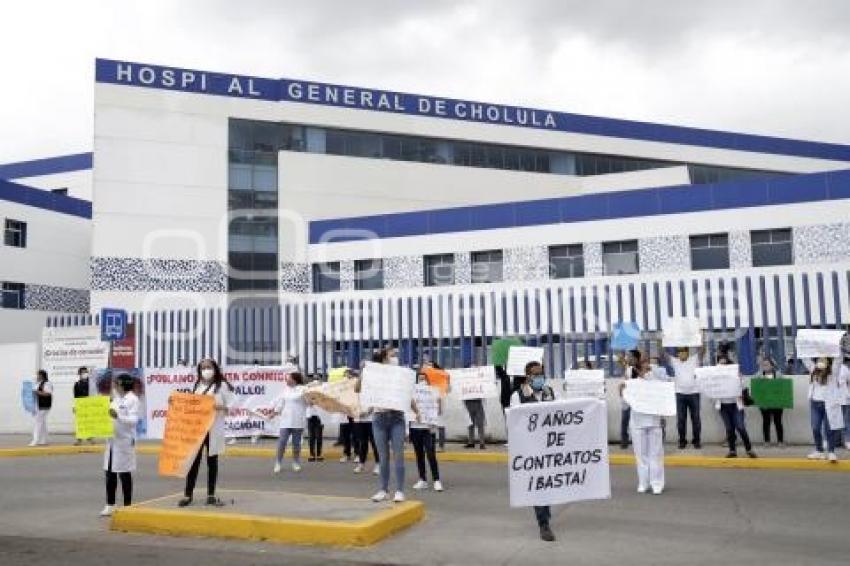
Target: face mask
<point>207,373</point>
<point>821,365</point>
<point>393,361</point>
<point>537,382</point>
<point>84,375</point>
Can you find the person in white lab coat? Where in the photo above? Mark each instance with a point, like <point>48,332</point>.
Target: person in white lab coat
<point>827,382</point>
<point>119,458</point>
<point>291,407</point>
<point>647,437</point>
<point>210,381</point>
<point>43,392</point>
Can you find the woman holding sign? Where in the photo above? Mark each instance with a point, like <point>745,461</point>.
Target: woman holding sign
<point>210,381</point>
<point>648,436</point>
<point>423,434</point>
<point>827,380</point>
<point>768,416</point>
<point>119,459</point>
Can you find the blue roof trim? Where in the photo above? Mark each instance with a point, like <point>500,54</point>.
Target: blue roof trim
<point>45,200</point>
<point>311,92</point>
<point>603,206</point>
<point>47,166</point>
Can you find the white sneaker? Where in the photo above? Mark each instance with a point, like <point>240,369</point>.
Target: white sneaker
<point>832,457</point>
<point>376,471</point>
<point>358,468</point>
<point>399,497</point>
<point>657,490</point>
<point>296,467</point>
<point>438,485</point>
<point>343,460</point>
<point>33,443</point>
<point>421,484</point>
<point>380,496</point>
<point>816,456</point>
<point>277,467</point>
<point>642,489</point>
<point>231,442</point>
<point>255,439</point>
<point>107,511</point>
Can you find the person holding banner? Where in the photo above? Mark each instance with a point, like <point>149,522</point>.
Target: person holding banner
<point>533,389</point>
<point>648,437</point>
<point>768,416</point>
<point>826,379</point>
<point>732,413</point>
<point>315,430</point>
<point>292,410</point>
<point>210,381</point>
<point>44,401</point>
<point>119,459</point>
<point>684,365</point>
<point>423,438</point>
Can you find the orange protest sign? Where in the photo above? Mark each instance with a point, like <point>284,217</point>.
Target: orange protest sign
<point>189,419</point>
<point>438,378</point>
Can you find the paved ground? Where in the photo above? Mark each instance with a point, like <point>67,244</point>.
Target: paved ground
<point>49,505</point>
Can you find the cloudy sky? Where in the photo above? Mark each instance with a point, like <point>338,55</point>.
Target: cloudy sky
<point>777,67</point>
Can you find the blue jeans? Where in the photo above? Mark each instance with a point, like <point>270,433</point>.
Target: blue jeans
<point>285,434</point>
<point>733,421</point>
<point>688,403</point>
<point>819,424</point>
<point>388,429</point>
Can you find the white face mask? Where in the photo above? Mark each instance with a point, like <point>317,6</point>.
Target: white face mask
<point>84,375</point>
<point>207,374</point>
<point>821,365</point>
<point>393,361</point>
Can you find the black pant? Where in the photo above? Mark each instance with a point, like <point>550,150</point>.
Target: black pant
<point>212,471</point>
<point>688,403</point>
<point>774,415</point>
<point>112,485</point>
<point>346,436</point>
<point>315,430</point>
<point>363,437</point>
<point>733,420</point>
<point>625,418</point>
<point>423,446</point>
<point>441,437</point>
<point>543,515</point>
<point>475,408</point>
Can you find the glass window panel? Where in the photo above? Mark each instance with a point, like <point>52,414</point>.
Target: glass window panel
<point>326,277</point>
<point>240,177</point>
<point>487,267</point>
<point>439,270</point>
<point>368,274</point>
<point>710,258</point>
<point>772,254</point>
<point>13,295</point>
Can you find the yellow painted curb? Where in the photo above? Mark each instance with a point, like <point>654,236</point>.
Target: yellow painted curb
<point>63,450</point>
<point>287,530</point>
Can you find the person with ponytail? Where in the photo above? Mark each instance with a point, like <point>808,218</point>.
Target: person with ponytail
<point>210,381</point>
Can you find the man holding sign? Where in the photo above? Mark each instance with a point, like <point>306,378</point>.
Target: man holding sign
<point>684,334</point>
<point>558,449</point>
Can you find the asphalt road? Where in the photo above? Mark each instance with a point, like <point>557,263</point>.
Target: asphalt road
<point>49,506</point>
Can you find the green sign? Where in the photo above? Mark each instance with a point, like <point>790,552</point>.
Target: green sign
<point>500,350</point>
<point>772,393</point>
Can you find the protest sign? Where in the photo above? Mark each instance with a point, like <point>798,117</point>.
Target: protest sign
<point>386,387</point>
<point>500,350</point>
<point>28,396</point>
<point>427,400</point>
<point>337,374</point>
<point>255,390</point>
<point>91,417</point>
<point>558,452</point>
<point>338,397</point>
<point>625,336</point>
<point>189,419</point>
<point>719,382</point>
<point>438,378</point>
<point>772,393</point>
<point>584,383</point>
<point>651,397</point>
<point>65,349</point>
<point>681,332</point>
<point>816,343</point>
<point>519,356</point>
<point>474,383</point>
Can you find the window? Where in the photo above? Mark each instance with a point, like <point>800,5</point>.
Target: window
<point>15,234</point>
<point>487,266</point>
<point>710,251</point>
<point>439,270</point>
<point>60,191</point>
<point>368,274</point>
<point>772,247</point>
<point>620,258</point>
<point>566,261</point>
<point>13,295</point>
<point>326,277</point>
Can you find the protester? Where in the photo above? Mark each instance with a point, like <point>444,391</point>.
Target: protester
<point>826,380</point>
<point>389,427</point>
<point>774,416</point>
<point>119,459</point>
<point>346,431</point>
<point>315,433</point>
<point>423,437</point>
<point>210,381</point>
<point>477,421</point>
<point>732,413</point>
<point>533,389</point>
<point>292,409</point>
<point>441,427</point>
<point>44,401</point>
<point>647,436</point>
<point>81,390</point>
<point>687,394</point>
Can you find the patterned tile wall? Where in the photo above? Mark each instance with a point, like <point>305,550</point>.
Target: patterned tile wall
<point>296,277</point>
<point>402,272</point>
<point>56,299</point>
<point>526,264</point>
<point>463,268</point>
<point>740,252</point>
<point>592,259</point>
<point>822,243</point>
<point>664,253</point>
<point>346,275</point>
<point>134,274</point>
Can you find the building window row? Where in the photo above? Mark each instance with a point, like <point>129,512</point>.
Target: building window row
<point>707,251</point>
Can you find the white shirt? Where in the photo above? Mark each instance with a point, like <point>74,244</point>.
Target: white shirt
<point>292,407</point>
<point>685,374</point>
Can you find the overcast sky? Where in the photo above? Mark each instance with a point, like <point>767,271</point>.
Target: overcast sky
<point>777,67</point>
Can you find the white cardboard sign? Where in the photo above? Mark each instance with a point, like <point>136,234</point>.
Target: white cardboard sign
<point>584,383</point>
<point>651,397</point>
<point>816,343</point>
<point>519,356</point>
<point>386,387</point>
<point>681,332</point>
<point>428,402</point>
<point>558,452</point>
<point>719,382</point>
<point>474,383</point>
